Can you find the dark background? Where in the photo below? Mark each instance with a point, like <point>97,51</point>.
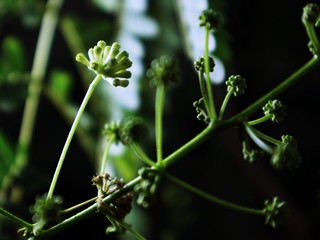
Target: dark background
<point>263,41</point>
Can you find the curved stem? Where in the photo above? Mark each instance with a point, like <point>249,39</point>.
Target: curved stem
<point>233,206</point>
<point>38,70</point>
<point>224,103</point>
<point>252,133</point>
<point>312,36</point>
<point>160,93</point>
<point>259,120</point>
<point>71,133</point>
<point>141,154</point>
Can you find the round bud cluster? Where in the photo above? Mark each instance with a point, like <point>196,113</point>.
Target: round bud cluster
<point>200,64</point>
<point>210,20</point>
<point>276,109</point>
<point>236,84</point>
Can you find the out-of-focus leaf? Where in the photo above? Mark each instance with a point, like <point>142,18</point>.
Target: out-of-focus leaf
<point>60,84</point>
<point>12,56</point>
<point>6,159</point>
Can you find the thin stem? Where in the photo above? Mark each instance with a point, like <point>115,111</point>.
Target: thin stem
<point>211,110</point>
<point>224,103</point>
<point>312,36</point>
<point>260,120</point>
<point>160,94</point>
<point>233,206</point>
<point>106,152</point>
<point>204,92</point>
<point>141,154</point>
<point>257,140</point>
<point>265,137</point>
<point>16,220</point>
<point>38,70</point>
<point>71,133</point>
<point>130,229</point>
<point>70,209</point>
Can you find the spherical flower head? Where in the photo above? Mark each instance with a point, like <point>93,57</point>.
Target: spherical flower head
<point>275,212</point>
<point>108,61</point>
<point>237,84</point>
<point>164,70</point>
<point>210,20</point>
<point>276,109</point>
<point>126,131</point>
<point>46,212</point>
<point>311,13</point>
<point>286,154</point>
<point>200,64</point>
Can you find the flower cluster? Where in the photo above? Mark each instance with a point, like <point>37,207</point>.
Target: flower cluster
<point>275,109</point>
<point>286,154</point>
<point>126,131</point>
<point>236,84</point>
<point>275,212</point>
<point>210,20</point>
<point>106,185</point>
<point>164,70</point>
<point>202,114</point>
<point>108,61</point>
<point>147,187</point>
<point>251,155</point>
<point>200,64</point>
<point>46,212</point>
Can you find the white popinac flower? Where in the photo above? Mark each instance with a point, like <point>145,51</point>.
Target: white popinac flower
<point>108,61</point>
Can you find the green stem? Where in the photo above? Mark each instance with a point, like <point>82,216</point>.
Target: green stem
<point>260,120</point>
<point>160,94</point>
<point>71,133</point>
<point>193,143</point>
<point>16,220</point>
<point>312,36</point>
<point>130,229</point>
<point>224,103</point>
<point>211,110</point>
<point>265,137</point>
<point>141,154</point>
<point>251,211</point>
<point>204,92</point>
<point>252,133</point>
<point>243,115</point>
<point>37,74</point>
<point>106,152</point>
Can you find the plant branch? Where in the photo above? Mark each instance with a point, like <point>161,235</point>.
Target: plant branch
<point>71,133</point>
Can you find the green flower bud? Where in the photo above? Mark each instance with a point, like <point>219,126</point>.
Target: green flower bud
<point>210,20</point>
<point>164,70</point>
<point>200,63</point>
<point>107,61</point>
<point>202,114</point>
<point>276,109</point>
<point>237,84</point>
<point>147,187</point>
<point>286,154</point>
<point>275,212</point>
<point>311,13</point>
<point>251,155</point>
